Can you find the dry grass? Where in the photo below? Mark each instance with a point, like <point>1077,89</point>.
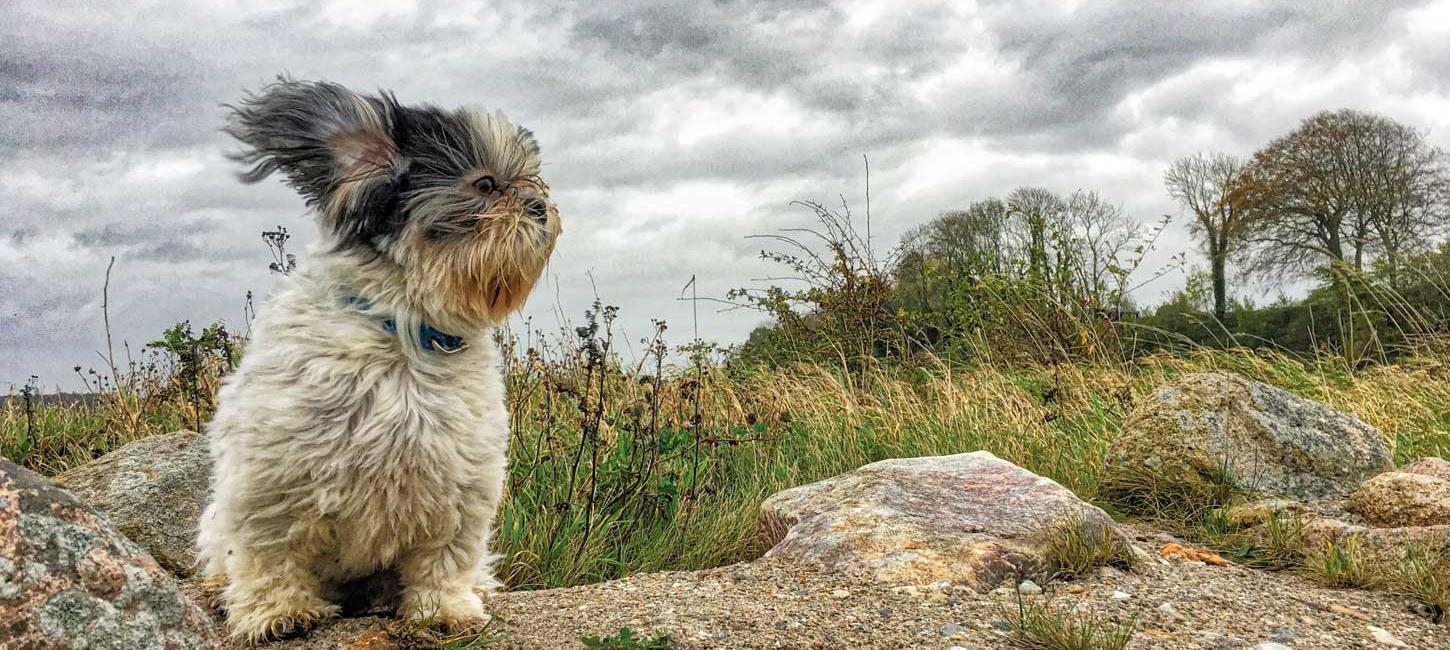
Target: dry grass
<point>1076,547</point>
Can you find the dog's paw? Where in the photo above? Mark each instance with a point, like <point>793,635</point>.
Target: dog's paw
<point>455,610</point>
<point>260,624</point>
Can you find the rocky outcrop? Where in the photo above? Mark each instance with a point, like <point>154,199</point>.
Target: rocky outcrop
<point>153,491</point>
<point>69,580</point>
<point>1208,430</point>
<point>971,519</point>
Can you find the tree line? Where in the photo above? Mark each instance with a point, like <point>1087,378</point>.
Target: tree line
<point>1355,202</point>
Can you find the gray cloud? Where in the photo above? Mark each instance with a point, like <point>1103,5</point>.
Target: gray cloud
<point>671,129</point>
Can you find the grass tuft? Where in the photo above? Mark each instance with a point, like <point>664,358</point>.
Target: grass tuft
<point>1341,563</point>
<point>1075,547</point>
<point>625,639</point>
<point>1042,627</point>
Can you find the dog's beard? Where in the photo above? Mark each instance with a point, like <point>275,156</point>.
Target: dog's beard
<point>485,276</point>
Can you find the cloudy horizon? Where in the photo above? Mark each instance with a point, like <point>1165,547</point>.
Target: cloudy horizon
<point>670,131</point>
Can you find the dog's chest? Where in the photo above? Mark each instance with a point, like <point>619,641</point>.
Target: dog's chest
<point>418,450</point>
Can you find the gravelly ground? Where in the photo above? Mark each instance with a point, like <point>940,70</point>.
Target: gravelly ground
<point>766,604</point>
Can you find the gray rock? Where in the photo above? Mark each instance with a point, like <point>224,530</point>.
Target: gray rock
<point>1208,428</point>
<point>70,580</point>
<point>1383,637</point>
<point>1283,635</point>
<point>971,519</point>
<point>1271,645</point>
<point>153,491</point>
<point>949,629</point>
<point>1029,588</point>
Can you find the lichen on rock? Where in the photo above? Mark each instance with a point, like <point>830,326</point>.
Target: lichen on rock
<point>153,491</point>
<point>1209,432</point>
<point>69,580</point>
<point>971,519</point>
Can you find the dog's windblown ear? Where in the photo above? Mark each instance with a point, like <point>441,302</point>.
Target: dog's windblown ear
<point>336,147</point>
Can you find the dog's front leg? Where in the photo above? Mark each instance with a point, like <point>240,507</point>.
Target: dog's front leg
<point>438,583</point>
<point>273,590</point>
<point>440,578</point>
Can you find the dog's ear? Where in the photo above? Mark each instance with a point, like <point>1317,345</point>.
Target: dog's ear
<point>336,147</point>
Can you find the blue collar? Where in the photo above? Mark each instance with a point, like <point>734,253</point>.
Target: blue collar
<point>429,337</point>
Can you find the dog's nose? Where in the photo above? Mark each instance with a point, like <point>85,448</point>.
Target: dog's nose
<point>538,210</point>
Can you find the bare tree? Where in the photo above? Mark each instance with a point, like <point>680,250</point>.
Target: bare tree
<point>1101,233</point>
<point>1208,186</point>
<point>1403,191</point>
<point>1341,189</point>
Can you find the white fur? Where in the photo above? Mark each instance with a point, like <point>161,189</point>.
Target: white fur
<point>340,449</point>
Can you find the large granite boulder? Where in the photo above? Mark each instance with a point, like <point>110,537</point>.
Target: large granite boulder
<point>69,580</point>
<point>153,491</point>
<point>972,519</point>
<point>1208,430</point>
<point>1417,494</point>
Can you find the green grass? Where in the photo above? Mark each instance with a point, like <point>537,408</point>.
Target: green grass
<point>1039,626</point>
<point>625,639</point>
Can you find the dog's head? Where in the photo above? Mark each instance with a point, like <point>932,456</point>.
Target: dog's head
<point>453,198</point>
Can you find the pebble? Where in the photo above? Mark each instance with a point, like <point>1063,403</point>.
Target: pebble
<point>949,629</point>
<point>1283,635</point>
<point>1121,595</point>
<point>1270,645</point>
<point>1028,588</point>
<point>1168,611</point>
<point>841,593</point>
<point>1383,636</point>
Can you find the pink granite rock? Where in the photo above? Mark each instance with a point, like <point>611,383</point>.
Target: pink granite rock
<point>69,580</point>
<point>972,519</point>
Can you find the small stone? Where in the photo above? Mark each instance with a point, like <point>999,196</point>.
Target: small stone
<point>1028,588</point>
<point>1283,635</point>
<point>885,612</point>
<point>1383,636</point>
<point>951,629</point>
<point>1270,645</point>
<point>841,593</point>
<point>1121,595</point>
<point>1168,611</point>
<point>1076,589</point>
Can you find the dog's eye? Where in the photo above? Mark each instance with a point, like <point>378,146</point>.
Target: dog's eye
<point>485,184</point>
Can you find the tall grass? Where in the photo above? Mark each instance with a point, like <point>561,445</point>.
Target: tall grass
<point>613,472</point>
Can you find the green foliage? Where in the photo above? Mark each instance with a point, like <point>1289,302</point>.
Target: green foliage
<point>625,639</point>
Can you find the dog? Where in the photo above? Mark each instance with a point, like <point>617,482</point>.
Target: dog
<point>366,428</point>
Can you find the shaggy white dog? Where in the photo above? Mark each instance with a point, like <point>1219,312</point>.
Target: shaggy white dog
<point>366,427</point>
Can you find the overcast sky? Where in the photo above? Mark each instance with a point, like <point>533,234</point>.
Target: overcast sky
<point>670,131</point>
